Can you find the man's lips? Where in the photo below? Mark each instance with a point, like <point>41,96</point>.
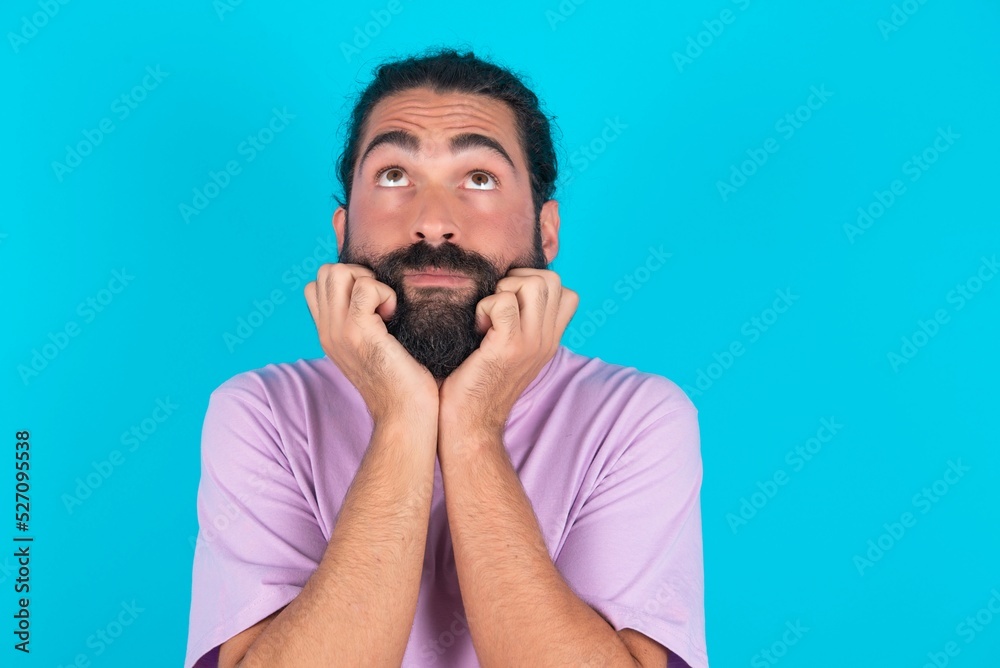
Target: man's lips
<point>433,276</point>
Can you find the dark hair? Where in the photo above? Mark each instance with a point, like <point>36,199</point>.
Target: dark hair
<point>448,71</point>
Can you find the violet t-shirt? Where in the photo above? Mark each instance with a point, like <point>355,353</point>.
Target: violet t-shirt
<point>609,457</point>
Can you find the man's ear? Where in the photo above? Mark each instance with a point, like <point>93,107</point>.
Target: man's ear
<point>548,219</point>
<point>339,221</point>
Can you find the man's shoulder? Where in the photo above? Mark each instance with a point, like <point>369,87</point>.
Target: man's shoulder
<point>285,404</point>
<point>283,387</point>
<point>599,381</point>
<point>280,376</point>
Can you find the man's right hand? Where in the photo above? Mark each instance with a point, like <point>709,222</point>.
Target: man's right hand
<point>368,582</point>
<point>350,307</point>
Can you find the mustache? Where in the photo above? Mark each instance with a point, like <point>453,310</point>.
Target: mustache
<point>389,269</point>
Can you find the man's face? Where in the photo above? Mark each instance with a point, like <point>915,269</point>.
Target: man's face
<point>439,214</point>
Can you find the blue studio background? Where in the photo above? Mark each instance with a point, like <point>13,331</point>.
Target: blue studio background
<point>790,209</point>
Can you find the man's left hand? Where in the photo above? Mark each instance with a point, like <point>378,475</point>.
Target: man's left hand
<point>523,321</point>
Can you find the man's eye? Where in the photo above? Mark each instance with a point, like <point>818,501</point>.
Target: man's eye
<point>392,177</point>
<point>481,180</point>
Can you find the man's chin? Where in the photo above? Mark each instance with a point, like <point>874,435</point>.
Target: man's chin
<point>440,336</point>
<point>440,362</point>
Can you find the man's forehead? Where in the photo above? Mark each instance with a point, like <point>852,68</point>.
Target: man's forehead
<point>425,113</point>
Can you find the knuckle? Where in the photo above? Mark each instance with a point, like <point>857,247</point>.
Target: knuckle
<point>358,270</point>
<point>541,299</point>
<point>542,286</point>
<point>359,306</point>
<point>337,272</point>
<point>360,291</point>
<point>508,313</point>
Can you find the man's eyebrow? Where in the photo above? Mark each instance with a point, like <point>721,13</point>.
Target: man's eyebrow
<point>411,144</point>
<point>400,138</point>
<point>470,140</point>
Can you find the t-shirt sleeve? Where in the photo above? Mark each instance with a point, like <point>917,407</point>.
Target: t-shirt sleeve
<point>258,539</point>
<point>634,551</point>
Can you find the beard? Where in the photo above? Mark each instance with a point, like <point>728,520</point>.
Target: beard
<point>437,324</point>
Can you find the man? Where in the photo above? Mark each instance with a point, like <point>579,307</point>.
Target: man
<point>448,486</point>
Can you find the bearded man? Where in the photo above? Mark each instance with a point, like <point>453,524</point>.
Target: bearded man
<point>448,485</point>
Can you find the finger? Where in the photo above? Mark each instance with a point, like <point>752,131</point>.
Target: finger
<point>501,313</point>
<point>568,303</point>
<point>369,300</point>
<point>532,295</point>
<point>385,307</point>
<point>527,271</point>
<point>551,329</point>
<point>330,304</point>
<point>310,295</point>
<point>336,283</point>
<point>550,308</point>
<point>483,322</point>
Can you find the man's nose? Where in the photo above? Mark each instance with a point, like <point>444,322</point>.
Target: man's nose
<point>435,222</point>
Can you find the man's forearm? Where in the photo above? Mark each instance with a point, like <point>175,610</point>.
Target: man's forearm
<point>357,608</point>
<point>520,610</point>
